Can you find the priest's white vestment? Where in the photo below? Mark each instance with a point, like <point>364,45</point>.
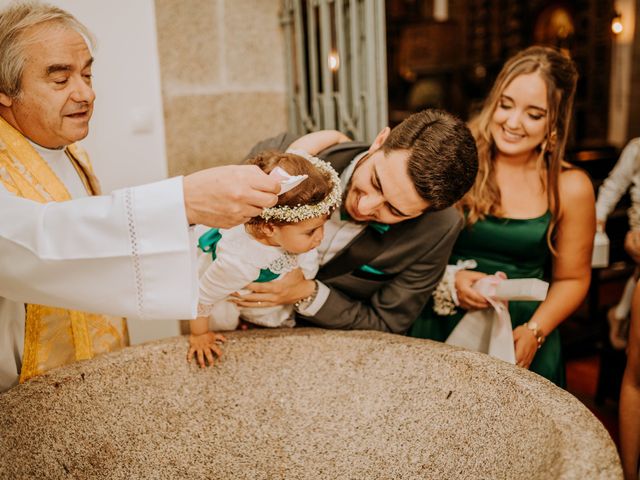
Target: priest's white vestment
<point>129,254</point>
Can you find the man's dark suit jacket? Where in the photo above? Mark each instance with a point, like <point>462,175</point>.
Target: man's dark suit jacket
<point>401,266</point>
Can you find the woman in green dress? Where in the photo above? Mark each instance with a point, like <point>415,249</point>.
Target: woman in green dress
<point>529,214</point>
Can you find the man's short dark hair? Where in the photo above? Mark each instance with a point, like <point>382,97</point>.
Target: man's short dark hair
<point>443,160</point>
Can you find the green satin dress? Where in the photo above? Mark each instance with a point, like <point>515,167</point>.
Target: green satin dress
<point>519,249</point>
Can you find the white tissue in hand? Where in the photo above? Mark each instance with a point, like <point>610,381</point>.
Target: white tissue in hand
<point>522,289</point>
<point>288,182</point>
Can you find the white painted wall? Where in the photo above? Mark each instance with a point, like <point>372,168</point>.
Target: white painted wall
<point>127,84</point>
<point>126,140</point>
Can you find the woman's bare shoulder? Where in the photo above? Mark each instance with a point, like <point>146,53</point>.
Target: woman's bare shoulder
<point>574,185</point>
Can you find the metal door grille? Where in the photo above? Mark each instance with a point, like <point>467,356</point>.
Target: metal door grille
<point>336,66</point>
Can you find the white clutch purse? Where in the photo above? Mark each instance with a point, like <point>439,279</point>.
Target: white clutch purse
<point>600,258</point>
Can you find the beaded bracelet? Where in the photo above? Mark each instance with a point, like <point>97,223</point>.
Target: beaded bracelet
<point>533,326</point>
<point>303,303</point>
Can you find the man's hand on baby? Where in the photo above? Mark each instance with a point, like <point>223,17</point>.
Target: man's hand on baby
<point>284,291</point>
<point>205,346</point>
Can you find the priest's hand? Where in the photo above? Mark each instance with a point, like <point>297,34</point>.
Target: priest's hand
<point>227,196</point>
<point>286,290</point>
<point>205,346</point>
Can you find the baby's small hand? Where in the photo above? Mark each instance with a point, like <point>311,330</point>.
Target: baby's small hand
<point>205,346</point>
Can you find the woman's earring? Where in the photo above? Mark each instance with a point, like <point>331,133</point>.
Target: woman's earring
<point>549,143</point>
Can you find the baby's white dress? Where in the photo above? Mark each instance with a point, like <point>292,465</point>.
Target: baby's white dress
<point>239,261</point>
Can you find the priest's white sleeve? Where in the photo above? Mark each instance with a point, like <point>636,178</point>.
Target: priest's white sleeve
<point>130,253</point>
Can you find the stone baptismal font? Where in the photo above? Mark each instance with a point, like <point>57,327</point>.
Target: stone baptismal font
<point>301,403</point>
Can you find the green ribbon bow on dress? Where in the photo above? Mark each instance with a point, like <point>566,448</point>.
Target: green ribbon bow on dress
<point>208,243</point>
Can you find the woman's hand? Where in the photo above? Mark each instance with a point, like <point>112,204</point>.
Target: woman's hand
<point>205,346</point>
<point>632,245</point>
<point>526,346</point>
<point>284,291</point>
<point>468,298</point>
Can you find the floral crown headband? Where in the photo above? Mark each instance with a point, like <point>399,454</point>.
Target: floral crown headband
<point>299,213</point>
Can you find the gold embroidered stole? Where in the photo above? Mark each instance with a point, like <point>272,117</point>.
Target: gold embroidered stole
<point>54,336</point>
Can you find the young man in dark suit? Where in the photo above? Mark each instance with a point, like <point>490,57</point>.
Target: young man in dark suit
<point>386,249</point>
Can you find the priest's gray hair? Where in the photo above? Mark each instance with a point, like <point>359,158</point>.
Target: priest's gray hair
<point>15,21</point>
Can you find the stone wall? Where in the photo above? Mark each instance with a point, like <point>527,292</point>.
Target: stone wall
<point>223,78</point>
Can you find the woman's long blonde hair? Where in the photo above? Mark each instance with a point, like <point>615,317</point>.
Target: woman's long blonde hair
<point>560,76</point>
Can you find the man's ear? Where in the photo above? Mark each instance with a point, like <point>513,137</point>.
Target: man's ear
<point>380,139</point>
<point>5,100</point>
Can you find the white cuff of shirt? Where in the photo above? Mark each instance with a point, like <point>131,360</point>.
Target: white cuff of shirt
<point>318,302</point>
